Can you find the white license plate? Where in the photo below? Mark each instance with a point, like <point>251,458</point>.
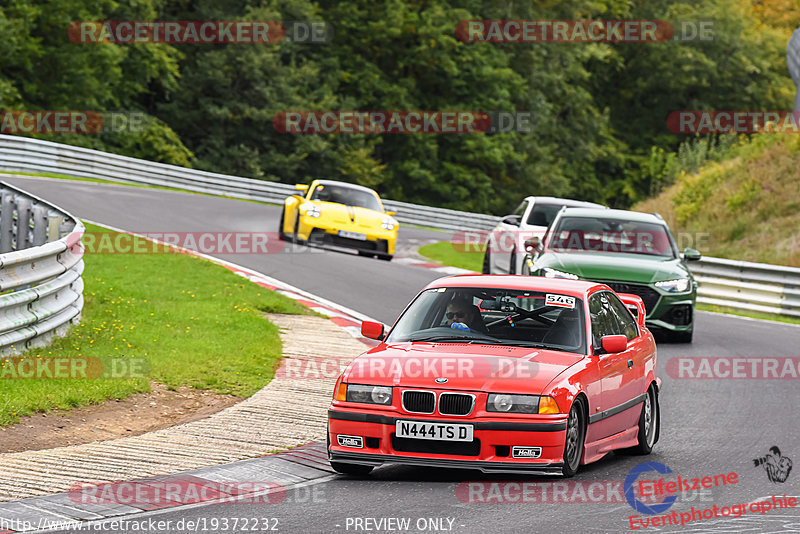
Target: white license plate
<point>437,431</point>
<point>352,235</point>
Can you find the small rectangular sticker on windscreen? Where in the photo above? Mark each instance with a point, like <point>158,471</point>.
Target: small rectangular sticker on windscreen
<point>562,301</point>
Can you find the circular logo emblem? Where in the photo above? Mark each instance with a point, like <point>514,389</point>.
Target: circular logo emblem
<point>630,482</point>
<point>441,380</point>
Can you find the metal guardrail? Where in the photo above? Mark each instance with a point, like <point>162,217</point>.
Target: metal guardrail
<point>742,285</point>
<point>440,218</point>
<point>23,154</point>
<point>41,262</point>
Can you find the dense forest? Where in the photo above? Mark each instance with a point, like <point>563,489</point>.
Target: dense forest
<point>598,109</point>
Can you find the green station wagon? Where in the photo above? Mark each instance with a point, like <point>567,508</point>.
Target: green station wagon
<point>629,251</point>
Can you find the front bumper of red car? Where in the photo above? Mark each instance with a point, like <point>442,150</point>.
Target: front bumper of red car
<point>532,444</point>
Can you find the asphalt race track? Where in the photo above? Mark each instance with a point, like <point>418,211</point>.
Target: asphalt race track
<point>342,277</point>
<point>709,426</point>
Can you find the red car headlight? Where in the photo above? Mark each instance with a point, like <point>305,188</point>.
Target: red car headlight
<point>365,393</point>
<point>504,403</point>
<point>500,402</point>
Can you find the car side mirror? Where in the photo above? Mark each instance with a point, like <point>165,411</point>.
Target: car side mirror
<point>390,213</point>
<point>513,220</point>
<point>533,245</point>
<point>614,344</point>
<point>301,187</point>
<point>690,254</point>
<point>373,330</point>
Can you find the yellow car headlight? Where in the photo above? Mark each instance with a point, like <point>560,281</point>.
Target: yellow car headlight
<point>311,210</point>
<point>388,224</point>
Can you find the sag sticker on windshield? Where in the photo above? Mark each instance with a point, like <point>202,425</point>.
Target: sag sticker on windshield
<point>559,300</point>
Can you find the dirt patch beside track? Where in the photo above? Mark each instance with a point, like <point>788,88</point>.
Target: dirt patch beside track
<point>139,413</point>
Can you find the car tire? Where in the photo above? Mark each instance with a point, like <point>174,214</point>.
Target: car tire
<point>512,264</point>
<point>296,239</point>
<point>487,261</point>
<point>352,469</point>
<point>649,423</point>
<point>385,257</point>
<point>574,439</point>
<point>682,337</point>
<point>281,235</point>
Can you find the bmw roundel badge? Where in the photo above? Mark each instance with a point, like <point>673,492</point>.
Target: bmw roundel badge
<point>440,380</point>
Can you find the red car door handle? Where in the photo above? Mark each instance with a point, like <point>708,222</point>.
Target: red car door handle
<point>630,364</point>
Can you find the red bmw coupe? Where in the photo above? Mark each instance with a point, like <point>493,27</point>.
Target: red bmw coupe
<point>501,374</point>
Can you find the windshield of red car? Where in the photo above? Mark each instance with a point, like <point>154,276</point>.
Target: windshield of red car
<point>348,196</point>
<point>494,316</point>
<point>610,235</point>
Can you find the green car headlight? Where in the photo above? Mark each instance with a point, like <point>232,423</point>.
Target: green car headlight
<point>679,285</point>
<point>500,402</point>
<point>369,394</point>
<point>547,272</point>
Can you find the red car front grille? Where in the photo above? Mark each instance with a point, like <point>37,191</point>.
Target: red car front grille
<point>455,404</point>
<point>419,401</point>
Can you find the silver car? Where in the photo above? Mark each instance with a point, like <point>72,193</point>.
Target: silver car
<point>505,246</point>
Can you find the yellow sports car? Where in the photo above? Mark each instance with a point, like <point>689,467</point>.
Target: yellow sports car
<point>340,214</point>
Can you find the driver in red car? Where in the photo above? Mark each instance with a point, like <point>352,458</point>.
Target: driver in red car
<point>461,314</point>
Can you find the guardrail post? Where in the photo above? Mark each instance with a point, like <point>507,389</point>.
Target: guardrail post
<point>23,223</point>
<point>7,222</point>
<point>39,225</point>
<point>54,227</point>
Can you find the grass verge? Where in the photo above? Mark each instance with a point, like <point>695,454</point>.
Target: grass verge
<point>194,323</point>
<point>744,208</point>
<point>449,254</point>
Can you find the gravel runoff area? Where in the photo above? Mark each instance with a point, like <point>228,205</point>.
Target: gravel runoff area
<point>263,424</point>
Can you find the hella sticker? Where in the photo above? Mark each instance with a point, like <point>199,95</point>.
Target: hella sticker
<point>526,452</point>
<point>562,301</point>
<point>351,441</point>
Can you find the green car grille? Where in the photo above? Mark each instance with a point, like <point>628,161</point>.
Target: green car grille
<point>648,295</point>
